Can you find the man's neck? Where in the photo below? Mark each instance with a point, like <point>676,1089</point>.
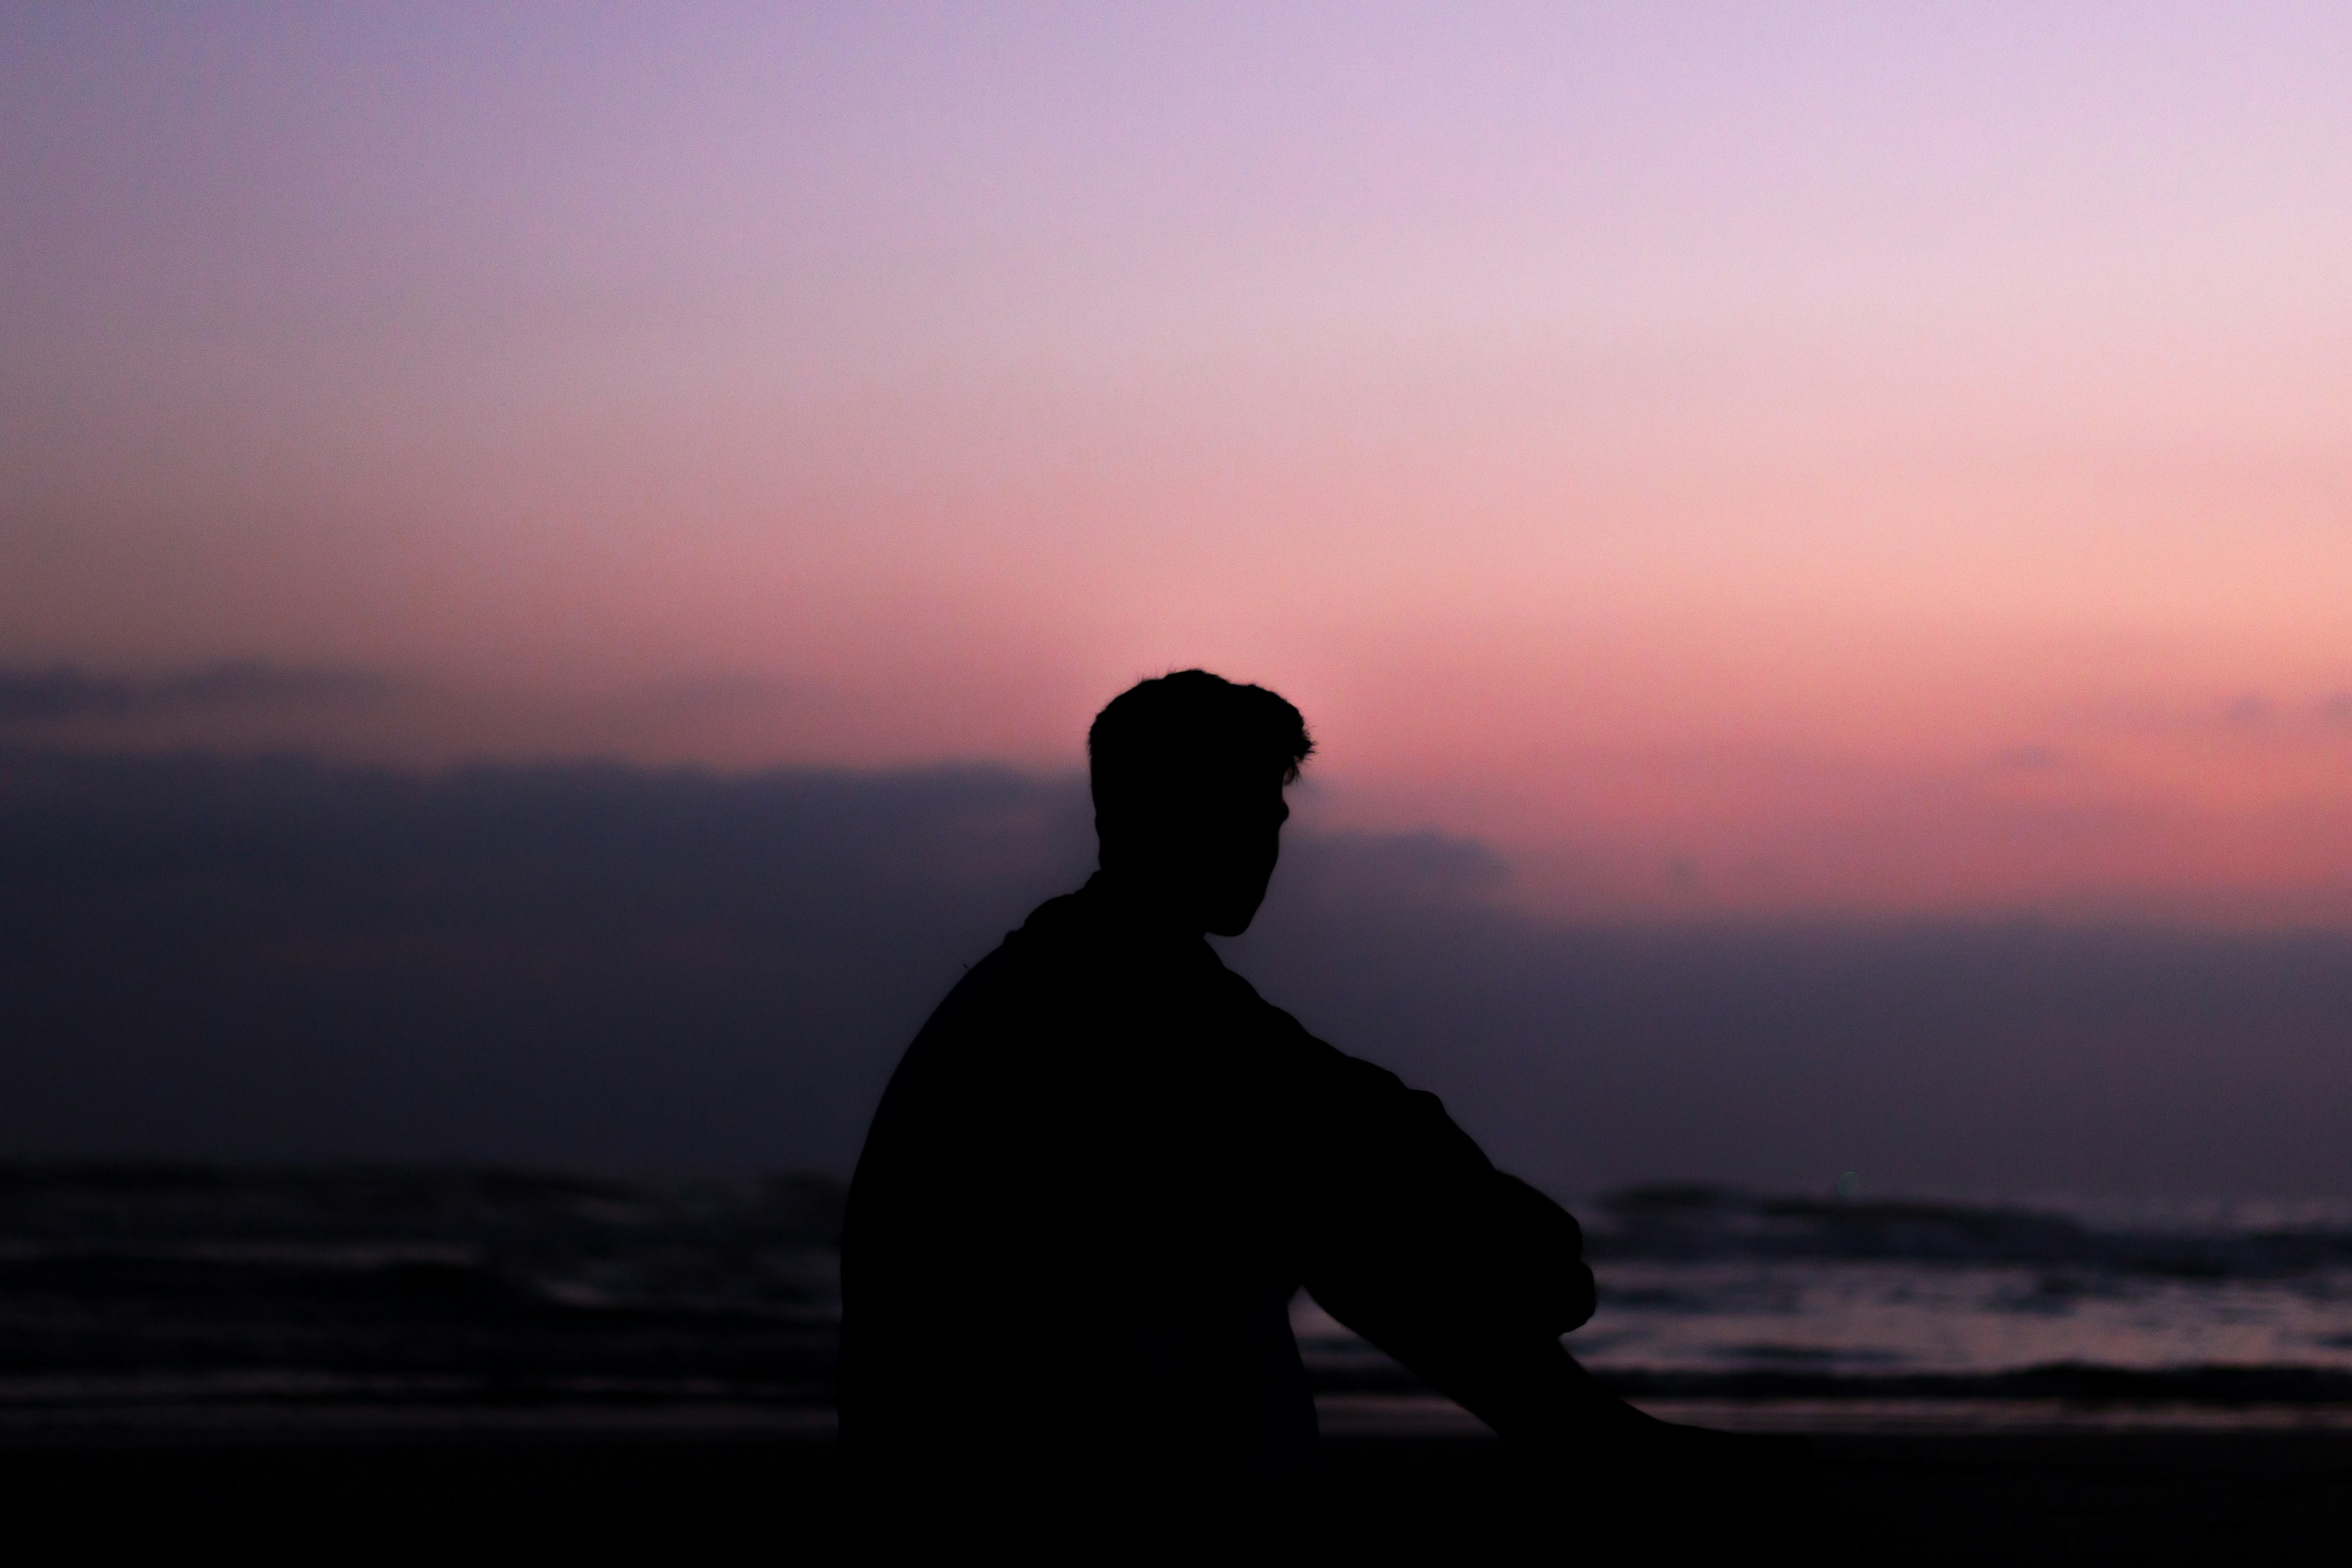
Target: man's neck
<point>1145,904</point>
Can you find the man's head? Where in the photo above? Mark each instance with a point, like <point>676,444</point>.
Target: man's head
<point>1188,774</point>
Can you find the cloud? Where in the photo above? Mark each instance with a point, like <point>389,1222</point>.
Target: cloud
<point>63,692</point>
<point>608,966</point>
<point>2250,708</point>
<point>1342,868</point>
<point>715,694</point>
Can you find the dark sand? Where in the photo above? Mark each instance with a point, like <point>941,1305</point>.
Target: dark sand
<point>2084,1497</point>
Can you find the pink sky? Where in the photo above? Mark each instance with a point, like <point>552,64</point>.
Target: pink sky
<point>1736,460</point>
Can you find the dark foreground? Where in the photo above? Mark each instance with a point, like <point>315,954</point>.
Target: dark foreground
<point>2071,1498</point>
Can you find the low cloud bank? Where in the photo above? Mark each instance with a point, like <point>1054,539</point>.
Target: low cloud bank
<point>609,967</point>
<point>60,693</point>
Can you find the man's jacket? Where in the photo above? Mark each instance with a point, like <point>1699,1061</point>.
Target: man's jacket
<point>1097,1178</point>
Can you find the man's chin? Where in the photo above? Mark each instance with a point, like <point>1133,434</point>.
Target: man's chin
<point>1233,923</point>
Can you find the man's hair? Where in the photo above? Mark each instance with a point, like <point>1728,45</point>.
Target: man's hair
<point>1161,737</point>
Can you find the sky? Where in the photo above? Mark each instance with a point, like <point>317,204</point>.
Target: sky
<point>608,967</point>
<point>1734,463</point>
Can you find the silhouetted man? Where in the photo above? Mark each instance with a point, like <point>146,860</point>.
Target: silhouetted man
<point>1105,1165</point>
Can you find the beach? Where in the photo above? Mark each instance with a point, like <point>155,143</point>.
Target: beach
<point>299,1362</point>
<point>2074,1497</point>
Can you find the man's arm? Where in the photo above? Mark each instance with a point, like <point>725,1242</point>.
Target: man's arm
<point>1465,1275</point>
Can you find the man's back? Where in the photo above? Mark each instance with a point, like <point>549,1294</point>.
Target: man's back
<point>1097,1179</point>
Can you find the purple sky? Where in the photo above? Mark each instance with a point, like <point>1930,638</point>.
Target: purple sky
<point>1734,459</point>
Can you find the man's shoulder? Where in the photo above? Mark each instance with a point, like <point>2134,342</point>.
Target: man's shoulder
<point>1287,1045</point>
<point>1033,961</point>
<point>1240,997</point>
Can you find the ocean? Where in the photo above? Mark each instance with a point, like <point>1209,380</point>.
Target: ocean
<point>1826,1313</point>
<point>174,1300</point>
